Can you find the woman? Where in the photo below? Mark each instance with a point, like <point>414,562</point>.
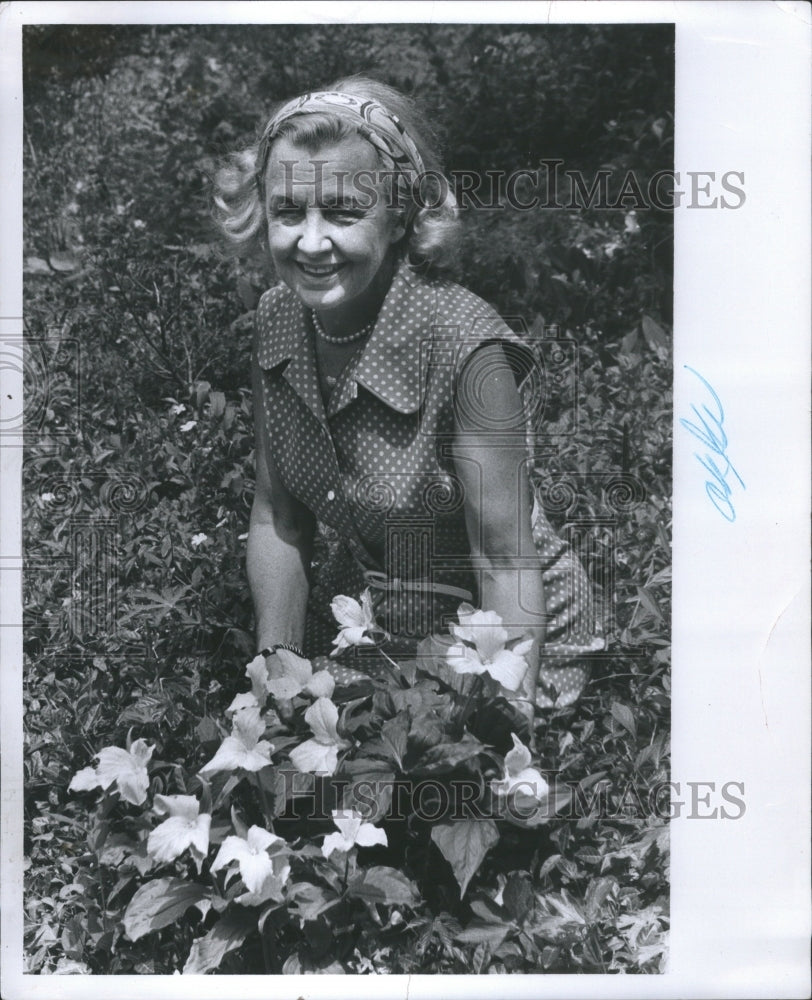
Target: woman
<point>390,424</point>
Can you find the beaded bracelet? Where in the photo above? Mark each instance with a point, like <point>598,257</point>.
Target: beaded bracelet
<point>270,650</point>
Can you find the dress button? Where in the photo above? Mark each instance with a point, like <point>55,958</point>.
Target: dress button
<point>331,495</point>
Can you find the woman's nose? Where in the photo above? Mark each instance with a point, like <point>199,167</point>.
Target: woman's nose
<point>313,238</point>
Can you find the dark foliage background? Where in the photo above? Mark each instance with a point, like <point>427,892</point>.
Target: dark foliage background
<point>138,328</point>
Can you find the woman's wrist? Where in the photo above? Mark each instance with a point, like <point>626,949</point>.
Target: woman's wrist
<point>291,647</point>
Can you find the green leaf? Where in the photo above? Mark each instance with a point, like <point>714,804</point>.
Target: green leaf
<point>656,337</point>
<point>478,932</point>
<point>380,884</point>
<point>464,844</point>
<point>623,714</point>
<point>158,904</point>
<point>227,934</point>
<point>63,260</point>
<point>217,401</point>
<point>311,900</point>
<point>36,265</point>
<point>369,793</point>
<point>597,893</point>
<point>518,895</point>
<point>447,756</point>
<point>394,733</point>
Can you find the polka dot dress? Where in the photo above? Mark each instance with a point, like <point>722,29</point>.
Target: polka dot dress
<point>373,464</point>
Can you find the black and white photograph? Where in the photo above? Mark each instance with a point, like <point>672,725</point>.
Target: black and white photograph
<point>356,433</point>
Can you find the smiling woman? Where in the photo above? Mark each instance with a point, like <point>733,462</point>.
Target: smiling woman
<point>388,402</point>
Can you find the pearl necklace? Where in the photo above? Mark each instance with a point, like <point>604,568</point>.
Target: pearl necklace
<point>340,340</point>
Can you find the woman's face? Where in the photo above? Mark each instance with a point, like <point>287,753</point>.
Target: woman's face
<point>329,237</point>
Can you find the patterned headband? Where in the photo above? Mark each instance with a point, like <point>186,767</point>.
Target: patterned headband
<point>377,125</point>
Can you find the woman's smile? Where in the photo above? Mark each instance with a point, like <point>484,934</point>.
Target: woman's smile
<point>331,241</point>
<point>318,271</point>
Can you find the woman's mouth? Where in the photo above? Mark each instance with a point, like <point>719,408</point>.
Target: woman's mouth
<point>318,270</point>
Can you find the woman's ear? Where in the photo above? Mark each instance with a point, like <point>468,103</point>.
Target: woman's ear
<point>397,227</point>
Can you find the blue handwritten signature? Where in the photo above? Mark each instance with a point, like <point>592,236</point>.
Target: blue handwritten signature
<point>710,431</point>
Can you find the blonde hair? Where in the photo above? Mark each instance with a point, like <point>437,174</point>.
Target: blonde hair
<point>431,217</point>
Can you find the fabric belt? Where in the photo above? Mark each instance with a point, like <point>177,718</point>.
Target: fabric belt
<point>382,582</point>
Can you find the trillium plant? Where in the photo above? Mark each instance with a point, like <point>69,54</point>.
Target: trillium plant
<point>319,815</point>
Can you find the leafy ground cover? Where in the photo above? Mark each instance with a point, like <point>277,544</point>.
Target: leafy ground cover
<point>137,488</point>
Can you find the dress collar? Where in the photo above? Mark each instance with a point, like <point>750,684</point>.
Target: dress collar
<point>389,366</point>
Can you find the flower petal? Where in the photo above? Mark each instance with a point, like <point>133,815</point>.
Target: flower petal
<point>321,684</point>
<point>232,849</point>
<point>133,787</point>
<point>530,783</point>
<point>113,761</point>
<point>254,869</point>
<point>257,672</point>
<point>335,842</point>
<point>366,608</point>
<point>347,611</point>
<point>369,834</point>
<point>313,757</point>
<point>464,660</point>
<point>242,701</point>
<point>230,755</point>
<point>247,727</point>
<point>185,806</point>
<point>257,757</point>
<point>295,666</point>
<point>199,839</point>
<point>84,780</point>
<point>523,648</point>
<point>284,688</point>
<point>508,669</point>
<point>348,823</point>
<point>260,839</point>
<point>170,839</point>
<point>518,758</point>
<point>141,751</point>
<point>322,717</point>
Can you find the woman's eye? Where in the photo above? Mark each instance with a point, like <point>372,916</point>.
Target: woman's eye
<point>286,212</point>
<point>343,213</point>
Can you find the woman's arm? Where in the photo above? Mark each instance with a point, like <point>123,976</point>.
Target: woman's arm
<point>490,459</point>
<point>280,542</point>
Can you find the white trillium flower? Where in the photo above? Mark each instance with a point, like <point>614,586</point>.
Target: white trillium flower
<point>298,676</point>
<point>126,768</point>
<point>241,702</point>
<point>244,748</point>
<point>185,828</point>
<point>189,425</point>
<point>356,620</point>
<point>256,866</point>
<point>177,408</point>
<point>482,648</point>
<point>257,673</point>
<point>523,782</point>
<point>199,539</point>
<point>352,830</point>
<point>321,753</point>
<point>47,497</point>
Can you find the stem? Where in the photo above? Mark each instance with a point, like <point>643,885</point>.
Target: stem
<point>102,891</point>
<point>267,812</point>
<point>393,669</point>
<point>476,687</point>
